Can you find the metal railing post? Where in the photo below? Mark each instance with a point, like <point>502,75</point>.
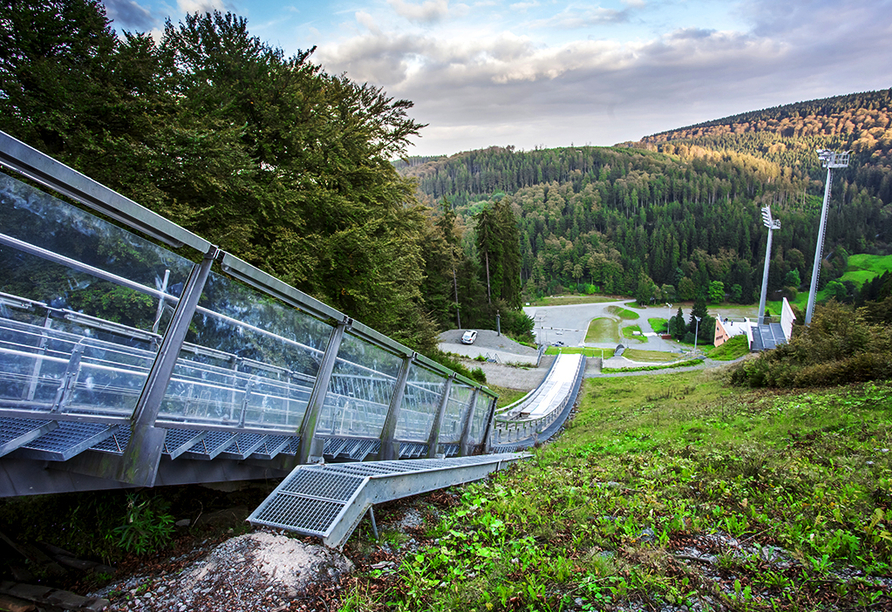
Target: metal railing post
<point>139,465</point>
<point>463,445</point>
<point>487,432</point>
<point>433,440</point>
<point>388,449</point>
<point>310,448</point>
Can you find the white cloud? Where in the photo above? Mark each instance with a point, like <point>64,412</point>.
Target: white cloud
<point>478,85</point>
<point>201,6</point>
<point>429,11</point>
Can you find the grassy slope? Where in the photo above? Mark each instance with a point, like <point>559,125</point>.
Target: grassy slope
<point>672,489</point>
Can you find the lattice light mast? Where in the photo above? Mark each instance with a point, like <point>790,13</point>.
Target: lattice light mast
<point>771,224</point>
<point>829,160</point>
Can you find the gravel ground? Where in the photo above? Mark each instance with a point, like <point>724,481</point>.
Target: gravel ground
<point>253,572</point>
<point>488,344</point>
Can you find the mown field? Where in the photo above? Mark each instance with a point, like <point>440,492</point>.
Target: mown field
<point>672,491</point>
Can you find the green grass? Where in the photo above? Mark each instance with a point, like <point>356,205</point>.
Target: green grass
<point>566,300</point>
<point>603,329</point>
<point>506,395</point>
<point>660,326</point>
<point>784,496</point>
<point>863,267</point>
<point>576,350</point>
<point>629,333</point>
<point>623,313</point>
<point>651,368</point>
<point>653,356</point>
<point>734,348</point>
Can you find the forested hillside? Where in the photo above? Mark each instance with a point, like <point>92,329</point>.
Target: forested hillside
<point>674,215</point>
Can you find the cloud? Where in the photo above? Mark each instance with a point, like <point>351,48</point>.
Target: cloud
<point>129,14</point>
<point>574,19</point>
<point>430,11</point>
<point>476,86</point>
<point>201,6</point>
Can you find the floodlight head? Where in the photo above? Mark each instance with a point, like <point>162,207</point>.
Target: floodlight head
<point>833,159</point>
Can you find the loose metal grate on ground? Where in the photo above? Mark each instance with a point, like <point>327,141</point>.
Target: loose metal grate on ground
<point>329,500</point>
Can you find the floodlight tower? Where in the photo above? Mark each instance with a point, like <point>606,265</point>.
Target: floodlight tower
<point>771,224</point>
<point>829,160</point>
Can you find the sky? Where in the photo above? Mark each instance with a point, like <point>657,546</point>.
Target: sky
<point>557,73</point>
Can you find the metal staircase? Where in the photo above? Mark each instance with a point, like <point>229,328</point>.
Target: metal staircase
<point>330,500</point>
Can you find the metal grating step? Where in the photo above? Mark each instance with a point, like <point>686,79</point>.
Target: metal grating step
<point>214,443</point>
<point>412,450</point>
<point>364,449</point>
<point>243,446</point>
<point>15,433</point>
<point>68,440</point>
<point>333,446</point>
<point>329,500</point>
<point>271,446</point>
<point>356,449</point>
<point>179,441</point>
<point>115,445</point>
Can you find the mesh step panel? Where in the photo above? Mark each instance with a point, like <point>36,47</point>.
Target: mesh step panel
<point>365,448</point>
<point>179,441</point>
<point>214,443</point>
<point>19,432</point>
<point>115,445</point>
<point>271,446</point>
<point>71,438</point>
<point>243,445</point>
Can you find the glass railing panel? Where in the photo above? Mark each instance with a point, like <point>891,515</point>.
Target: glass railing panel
<point>456,408</point>
<point>249,360</point>
<point>420,403</point>
<point>94,296</point>
<point>478,424</point>
<point>361,386</point>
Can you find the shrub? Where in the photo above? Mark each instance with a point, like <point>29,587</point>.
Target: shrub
<point>838,347</point>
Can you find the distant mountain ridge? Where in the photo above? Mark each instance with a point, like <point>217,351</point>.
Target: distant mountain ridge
<point>677,212</point>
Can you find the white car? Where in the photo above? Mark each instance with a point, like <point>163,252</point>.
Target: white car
<point>469,336</point>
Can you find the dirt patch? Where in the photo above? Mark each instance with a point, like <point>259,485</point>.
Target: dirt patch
<point>257,571</point>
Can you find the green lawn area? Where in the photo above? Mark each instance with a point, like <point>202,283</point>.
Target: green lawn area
<point>629,333</point>
<point>666,491</point>
<point>506,396</point>
<point>575,350</point>
<point>603,329</point>
<point>863,267</point>
<point>730,350</point>
<point>660,326</point>
<point>566,300</point>
<point>651,356</point>
<point>623,313</point>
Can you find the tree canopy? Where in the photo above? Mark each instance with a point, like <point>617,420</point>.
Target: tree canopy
<point>268,156</point>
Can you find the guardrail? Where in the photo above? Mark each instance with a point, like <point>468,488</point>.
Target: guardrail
<point>512,430</point>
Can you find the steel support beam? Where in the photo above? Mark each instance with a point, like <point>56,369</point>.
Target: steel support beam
<point>388,450</point>
<point>433,440</point>
<point>310,448</point>
<point>139,464</point>
<point>487,432</point>
<point>464,444</point>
